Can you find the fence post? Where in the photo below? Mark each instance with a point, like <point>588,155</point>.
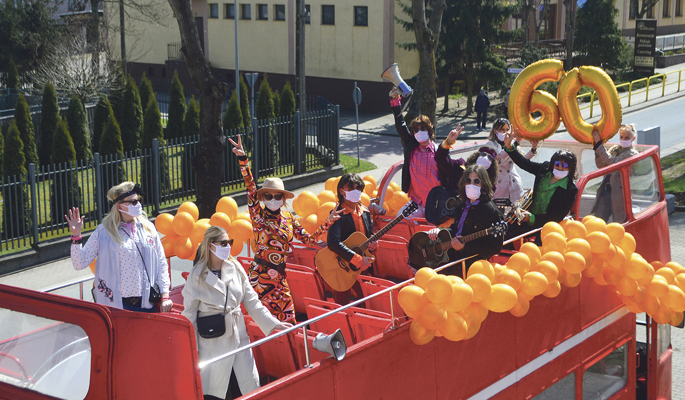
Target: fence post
<point>156,181</point>
<point>663,85</point>
<point>98,186</point>
<point>630,92</point>
<point>679,76</point>
<point>256,148</point>
<point>336,132</point>
<point>592,102</point>
<point>647,91</point>
<point>299,165</point>
<point>34,204</point>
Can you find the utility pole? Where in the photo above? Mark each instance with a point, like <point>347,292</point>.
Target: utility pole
<point>123,37</point>
<point>571,6</point>
<point>301,89</point>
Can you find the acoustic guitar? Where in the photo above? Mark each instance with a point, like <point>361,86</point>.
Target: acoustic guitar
<point>424,252</point>
<point>338,273</point>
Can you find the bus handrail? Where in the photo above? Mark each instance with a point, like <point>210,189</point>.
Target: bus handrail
<point>79,281</point>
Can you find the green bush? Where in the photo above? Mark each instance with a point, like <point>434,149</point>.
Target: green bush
<point>22,116</point>
<point>78,128</point>
<point>116,95</point>
<point>266,143</point>
<point>177,109</point>
<point>146,92</point>
<point>103,109</point>
<point>233,117</point>
<point>191,128</point>
<point>245,103</point>
<point>191,121</point>
<point>288,106</point>
<point>64,189</point>
<point>277,103</point>
<point>48,121</point>
<point>15,197</point>
<point>112,149</point>
<point>131,117</point>
<point>12,75</point>
<point>153,130</point>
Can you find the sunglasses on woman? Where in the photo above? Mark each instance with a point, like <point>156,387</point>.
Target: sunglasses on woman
<point>132,202</point>
<point>269,196</point>
<point>223,243</point>
<point>561,164</point>
<point>417,128</point>
<point>488,156</point>
<point>475,181</point>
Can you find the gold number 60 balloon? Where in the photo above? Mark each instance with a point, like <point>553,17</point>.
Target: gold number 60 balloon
<point>524,100</point>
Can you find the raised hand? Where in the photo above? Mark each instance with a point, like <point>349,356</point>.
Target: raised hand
<point>335,214</point>
<point>75,221</point>
<point>595,136</point>
<point>238,149</point>
<point>534,143</point>
<point>509,139</point>
<point>454,134</point>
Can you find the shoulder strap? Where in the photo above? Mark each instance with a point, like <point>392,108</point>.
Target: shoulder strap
<point>141,257</point>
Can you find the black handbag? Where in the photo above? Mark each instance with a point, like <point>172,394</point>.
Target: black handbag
<point>212,326</point>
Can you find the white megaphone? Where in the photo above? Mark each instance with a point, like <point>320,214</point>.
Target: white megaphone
<point>392,74</point>
<point>333,344</point>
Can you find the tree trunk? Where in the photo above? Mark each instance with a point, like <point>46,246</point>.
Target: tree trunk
<point>211,94</point>
<point>446,106</point>
<point>570,28</point>
<point>95,36</point>
<point>469,84</point>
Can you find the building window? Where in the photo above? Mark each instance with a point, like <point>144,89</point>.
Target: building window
<point>650,12</point>
<point>678,8</point>
<point>667,8</point>
<point>607,376</point>
<point>229,11</point>
<point>361,16</point>
<point>262,12</point>
<point>151,72</point>
<point>213,10</point>
<point>279,12</point>
<point>308,13</point>
<point>245,11</point>
<point>632,9</point>
<point>327,15</point>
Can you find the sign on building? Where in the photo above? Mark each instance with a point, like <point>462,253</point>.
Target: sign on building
<point>645,46</point>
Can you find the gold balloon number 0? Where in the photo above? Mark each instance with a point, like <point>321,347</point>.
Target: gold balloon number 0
<point>524,100</point>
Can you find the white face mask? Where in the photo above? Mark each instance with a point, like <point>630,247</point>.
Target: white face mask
<point>560,174</point>
<point>626,143</point>
<point>273,204</point>
<point>500,136</point>
<point>484,162</point>
<point>221,253</point>
<point>472,192</point>
<point>354,196</point>
<point>134,211</point>
<point>421,136</point>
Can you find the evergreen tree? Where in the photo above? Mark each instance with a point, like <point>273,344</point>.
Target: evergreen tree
<point>177,109</point>
<point>64,189</point>
<point>277,103</point>
<point>78,129</point>
<point>191,121</point>
<point>266,143</point>
<point>102,111</point>
<point>116,95</point>
<point>146,92</point>
<point>245,103</point>
<point>131,117</point>
<point>153,130</point>
<point>15,197</point>
<point>48,121</point>
<point>112,151</point>
<point>233,118</point>
<point>598,37</point>
<point>191,129</point>
<point>2,154</point>
<point>287,100</point>
<point>12,75</point>
<point>22,116</point>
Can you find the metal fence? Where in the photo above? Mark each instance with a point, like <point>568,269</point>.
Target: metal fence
<point>33,206</point>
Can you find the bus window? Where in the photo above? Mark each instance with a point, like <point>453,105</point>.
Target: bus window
<point>563,389</point>
<point>610,202</point>
<point>47,356</point>
<point>607,376</point>
<point>589,197</point>
<point>644,185</point>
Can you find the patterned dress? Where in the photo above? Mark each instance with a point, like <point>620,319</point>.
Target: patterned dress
<point>273,233</point>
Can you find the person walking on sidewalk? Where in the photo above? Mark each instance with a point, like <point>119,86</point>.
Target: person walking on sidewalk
<point>131,271</point>
<point>481,108</point>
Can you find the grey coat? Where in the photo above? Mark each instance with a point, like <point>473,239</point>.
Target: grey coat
<point>610,193</point>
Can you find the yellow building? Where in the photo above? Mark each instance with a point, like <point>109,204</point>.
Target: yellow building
<point>346,41</point>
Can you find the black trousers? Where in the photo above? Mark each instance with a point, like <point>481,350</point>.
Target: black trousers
<point>232,392</point>
<point>480,119</point>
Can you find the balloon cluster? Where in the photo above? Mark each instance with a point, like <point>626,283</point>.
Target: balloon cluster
<point>454,308</point>
<point>183,233</point>
<point>315,208</point>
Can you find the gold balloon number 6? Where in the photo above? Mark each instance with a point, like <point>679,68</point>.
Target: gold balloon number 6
<point>524,100</point>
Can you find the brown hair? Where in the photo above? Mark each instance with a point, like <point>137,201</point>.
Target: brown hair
<point>500,122</point>
<point>422,120</point>
<point>494,167</point>
<point>486,185</point>
<point>570,158</point>
<point>349,179</point>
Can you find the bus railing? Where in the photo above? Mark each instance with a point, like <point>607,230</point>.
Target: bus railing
<point>79,282</point>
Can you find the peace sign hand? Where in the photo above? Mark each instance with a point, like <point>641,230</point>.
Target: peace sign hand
<point>75,221</point>
<point>238,149</point>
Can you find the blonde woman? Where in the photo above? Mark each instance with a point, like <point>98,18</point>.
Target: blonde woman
<point>610,193</point>
<point>130,260</point>
<point>218,285</point>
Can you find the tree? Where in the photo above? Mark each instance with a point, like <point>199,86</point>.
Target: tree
<point>212,93</point>
<point>64,189</point>
<point>103,109</point>
<point>131,117</point>
<point>116,94</point>
<point>12,75</point>
<point>22,116</point>
<point>598,36</point>
<point>646,6</point>
<point>277,103</point>
<point>287,100</point>
<point>245,103</point>
<point>177,109</point>
<point>153,130</point>
<point>570,27</point>
<point>146,92</point>
<point>112,151</point>
<point>233,118</point>
<point>266,143</point>
<point>78,128</point>
<point>48,121</point>
<point>15,197</point>
<point>191,129</point>
<point>191,121</point>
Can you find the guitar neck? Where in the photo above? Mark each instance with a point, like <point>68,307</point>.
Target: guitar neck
<point>467,238</point>
<point>382,232</point>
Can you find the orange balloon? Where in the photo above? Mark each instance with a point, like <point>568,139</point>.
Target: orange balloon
<point>245,216</point>
<point>587,218</point>
<point>595,225</point>
<point>675,267</point>
<point>595,268</point>
<point>395,187</point>
<point>412,297</point>
<point>222,220</point>
<point>575,230</point>
<point>481,286</point>
<point>366,200</point>
<point>419,334</point>
<point>615,232</point>
<point>626,286</point>
<point>92,265</point>
<point>482,267</point>
<point>553,290</point>
<point>675,299</point>
<point>183,223</point>
<point>574,262</point>
<point>327,196</point>
<point>650,305</point>
<point>680,281</point>
<point>521,307</point>
<point>612,275</point>
<point>572,280</point>
<point>519,262</point>
<point>663,316</point>
<point>556,258</point>
<point>369,188</point>
<point>324,211</point>
<point>631,305</point>
<point>236,248</point>
<point>455,329</point>
<point>532,251</point>
<point>608,254</point>
<point>197,234</point>
<point>548,269</point>
<point>676,318</point>
<point>581,246</point>
<point>667,273</point>
<point>534,283</point>
<point>554,241</point>
<point>183,247</point>
<point>190,208</point>
<point>308,203</point>
<point>332,184</point>
<point>193,253</point>
<point>501,299</point>
<point>648,276</point>
<point>296,207</point>
<point>433,316</point>
<point>639,295</point>
<point>618,259</point>
<point>439,289</point>
<point>228,206</point>
<point>511,278</point>
<point>388,194</point>
<point>462,295</point>
<point>636,267</point>
<point>551,227</point>
<point>241,230</point>
<point>163,223</point>
<point>627,244</point>
<point>599,241</point>
<point>599,279</point>
<point>371,179</point>
<point>398,200</point>
<point>422,277</point>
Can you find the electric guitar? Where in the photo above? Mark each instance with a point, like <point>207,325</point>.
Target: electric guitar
<point>424,252</point>
<point>514,211</point>
<point>339,274</point>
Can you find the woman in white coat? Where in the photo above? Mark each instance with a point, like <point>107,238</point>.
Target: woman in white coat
<point>217,283</point>
<point>508,184</point>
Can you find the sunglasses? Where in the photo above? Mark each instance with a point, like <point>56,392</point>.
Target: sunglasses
<point>488,156</point>
<point>269,196</point>
<point>475,181</point>
<point>561,164</point>
<point>420,128</point>
<point>224,243</point>
<point>132,202</point>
